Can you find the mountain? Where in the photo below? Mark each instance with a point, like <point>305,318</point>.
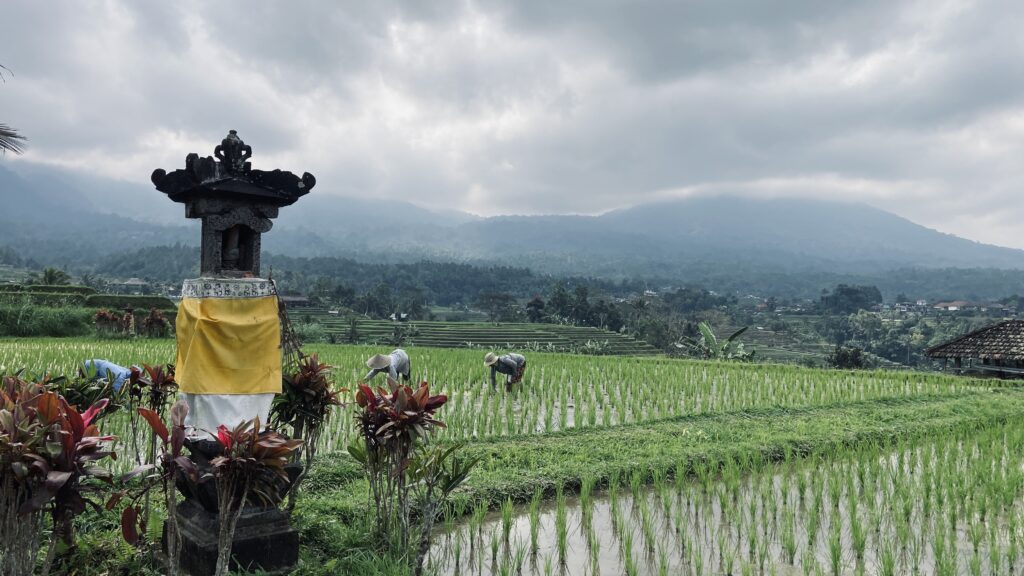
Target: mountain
<point>672,239</point>
<point>48,217</point>
<point>60,218</point>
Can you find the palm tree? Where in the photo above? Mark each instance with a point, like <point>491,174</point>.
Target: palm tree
<point>10,140</point>
<point>55,277</point>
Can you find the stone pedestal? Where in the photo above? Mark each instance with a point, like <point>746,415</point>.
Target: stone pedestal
<point>264,540</point>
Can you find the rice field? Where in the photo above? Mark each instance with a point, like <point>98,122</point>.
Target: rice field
<point>559,391</point>
<point>946,504</point>
<point>949,505</point>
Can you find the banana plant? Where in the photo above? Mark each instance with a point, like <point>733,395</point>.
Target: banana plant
<point>710,347</point>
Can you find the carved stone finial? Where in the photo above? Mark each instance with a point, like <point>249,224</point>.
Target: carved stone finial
<point>233,153</point>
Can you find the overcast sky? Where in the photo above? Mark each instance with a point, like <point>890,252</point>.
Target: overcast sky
<point>551,106</point>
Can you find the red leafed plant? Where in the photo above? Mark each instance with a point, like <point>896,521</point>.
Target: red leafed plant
<point>391,423</point>
<point>155,324</point>
<point>251,464</point>
<point>160,385</point>
<point>48,456</point>
<point>307,398</point>
<point>111,324</point>
<point>170,462</point>
<point>23,469</point>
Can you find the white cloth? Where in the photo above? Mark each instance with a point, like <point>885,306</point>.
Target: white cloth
<point>208,411</point>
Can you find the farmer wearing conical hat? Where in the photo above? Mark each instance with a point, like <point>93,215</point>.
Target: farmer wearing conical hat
<point>511,365</point>
<point>394,364</point>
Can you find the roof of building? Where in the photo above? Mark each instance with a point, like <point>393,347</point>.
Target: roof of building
<point>1002,341</point>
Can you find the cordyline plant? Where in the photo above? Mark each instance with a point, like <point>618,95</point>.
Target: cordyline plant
<point>155,325</point>
<point>48,457</point>
<point>82,447</point>
<point>170,463</point>
<point>251,465</point>
<point>23,470</point>
<point>153,389</point>
<point>111,324</point>
<point>391,424</point>
<point>307,398</point>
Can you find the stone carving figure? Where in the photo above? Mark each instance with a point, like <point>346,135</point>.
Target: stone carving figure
<point>233,153</point>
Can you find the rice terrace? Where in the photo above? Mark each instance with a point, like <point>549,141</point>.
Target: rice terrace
<point>609,465</point>
<point>511,288</point>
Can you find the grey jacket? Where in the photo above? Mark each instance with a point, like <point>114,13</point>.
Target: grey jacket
<point>399,365</point>
<point>507,365</point>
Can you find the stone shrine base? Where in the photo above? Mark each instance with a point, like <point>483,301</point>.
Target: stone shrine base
<point>264,540</point>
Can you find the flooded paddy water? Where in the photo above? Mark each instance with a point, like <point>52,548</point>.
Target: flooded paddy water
<point>950,506</point>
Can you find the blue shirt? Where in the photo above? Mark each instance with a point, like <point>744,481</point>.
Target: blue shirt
<point>117,374</point>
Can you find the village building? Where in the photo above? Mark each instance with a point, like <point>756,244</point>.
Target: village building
<point>136,286</point>
<point>996,350</point>
<point>295,301</point>
<point>954,306</point>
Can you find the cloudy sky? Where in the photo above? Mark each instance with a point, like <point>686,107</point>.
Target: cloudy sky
<point>501,107</point>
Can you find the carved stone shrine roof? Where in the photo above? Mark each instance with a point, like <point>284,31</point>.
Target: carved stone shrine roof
<point>230,176</point>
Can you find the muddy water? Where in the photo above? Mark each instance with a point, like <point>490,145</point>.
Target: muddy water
<point>762,525</point>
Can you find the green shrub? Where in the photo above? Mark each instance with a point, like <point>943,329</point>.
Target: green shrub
<point>310,333</point>
<point>29,320</point>
<point>50,299</point>
<point>121,301</point>
<point>83,290</point>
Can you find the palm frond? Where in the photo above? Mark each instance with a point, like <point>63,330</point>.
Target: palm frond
<point>10,140</point>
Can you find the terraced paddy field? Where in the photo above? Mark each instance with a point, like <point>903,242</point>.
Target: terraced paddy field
<point>740,469</point>
<point>510,335</point>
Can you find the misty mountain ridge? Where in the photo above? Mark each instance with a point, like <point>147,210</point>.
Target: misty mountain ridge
<point>57,218</point>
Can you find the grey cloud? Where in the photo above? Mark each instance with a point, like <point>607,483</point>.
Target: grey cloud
<point>529,107</point>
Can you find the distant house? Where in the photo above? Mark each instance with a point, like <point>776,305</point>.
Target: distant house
<point>921,303</point>
<point>953,306</point>
<point>295,301</point>
<point>997,349</point>
<point>133,286</point>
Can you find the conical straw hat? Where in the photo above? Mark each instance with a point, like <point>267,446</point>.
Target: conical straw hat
<point>378,362</point>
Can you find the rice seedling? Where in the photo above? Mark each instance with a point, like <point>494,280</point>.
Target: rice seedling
<point>835,547</point>
<point>561,525</point>
<point>506,519</point>
<point>788,536</point>
<point>534,515</point>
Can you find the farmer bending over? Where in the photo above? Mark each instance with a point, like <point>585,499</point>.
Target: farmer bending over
<point>115,373</point>
<point>511,365</point>
<point>394,364</point>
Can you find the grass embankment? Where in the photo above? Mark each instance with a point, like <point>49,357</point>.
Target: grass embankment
<point>333,513</point>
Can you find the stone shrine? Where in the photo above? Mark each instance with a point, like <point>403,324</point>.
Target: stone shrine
<point>235,203</point>
<point>228,334</point>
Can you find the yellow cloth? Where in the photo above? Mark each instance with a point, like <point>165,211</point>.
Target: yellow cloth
<point>228,346</point>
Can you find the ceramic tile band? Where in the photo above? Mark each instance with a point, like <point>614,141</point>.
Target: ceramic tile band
<point>227,288</point>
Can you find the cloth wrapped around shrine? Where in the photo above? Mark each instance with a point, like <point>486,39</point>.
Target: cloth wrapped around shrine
<point>228,365</point>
